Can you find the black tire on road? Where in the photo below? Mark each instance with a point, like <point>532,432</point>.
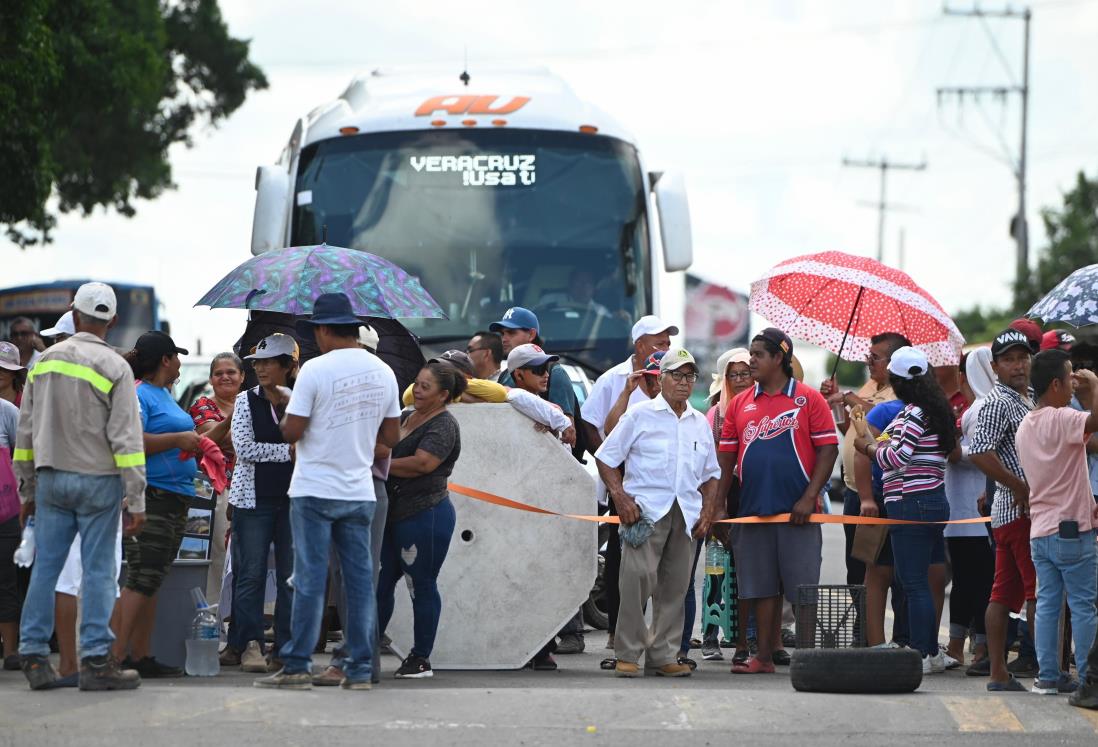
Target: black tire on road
<point>856,670</point>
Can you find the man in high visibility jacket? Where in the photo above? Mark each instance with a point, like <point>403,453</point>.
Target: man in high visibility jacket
<point>79,454</point>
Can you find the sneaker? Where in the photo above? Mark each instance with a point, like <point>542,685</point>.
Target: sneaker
<point>741,656</point>
<point>934,664</point>
<point>1085,697</point>
<point>887,646</point>
<point>253,660</point>
<point>570,643</point>
<point>283,680</point>
<point>673,670</point>
<point>273,663</point>
<point>357,684</point>
<point>330,677</point>
<point>789,638</point>
<point>1063,685</point>
<point>626,669</point>
<point>781,658</point>
<point>104,673</point>
<point>414,668</point>
<point>12,663</point>
<point>1023,666</point>
<point>950,662</point>
<point>229,657</point>
<point>39,672</point>
<point>149,668</point>
<point>711,651</point>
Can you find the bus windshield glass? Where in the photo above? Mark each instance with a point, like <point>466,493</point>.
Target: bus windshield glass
<point>489,219</point>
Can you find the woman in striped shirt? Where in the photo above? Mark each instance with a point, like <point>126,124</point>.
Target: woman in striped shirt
<point>912,452</point>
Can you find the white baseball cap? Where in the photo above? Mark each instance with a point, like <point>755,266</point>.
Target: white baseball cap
<point>96,300</point>
<point>65,326</point>
<point>528,355</point>
<point>907,363</point>
<point>273,346</point>
<point>652,325</point>
<point>368,338</point>
<point>677,358</point>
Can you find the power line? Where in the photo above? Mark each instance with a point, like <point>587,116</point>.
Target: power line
<point>1019,228</point>
<point>883,165</point>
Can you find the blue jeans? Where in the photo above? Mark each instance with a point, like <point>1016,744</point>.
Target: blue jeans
<point>417,547</point>
<point>67,503</point>
<point>913,547</point>
<point>319,524</point>
<point>1064,565</point>
<point>254,529</point>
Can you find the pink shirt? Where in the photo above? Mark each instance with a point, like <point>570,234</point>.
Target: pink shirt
<point>1051,445</point>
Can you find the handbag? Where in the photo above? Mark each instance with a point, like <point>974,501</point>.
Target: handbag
<point>868,541</point>
<point>9,487</point>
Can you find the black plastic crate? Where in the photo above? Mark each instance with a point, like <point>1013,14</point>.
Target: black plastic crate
<point>830,616</point>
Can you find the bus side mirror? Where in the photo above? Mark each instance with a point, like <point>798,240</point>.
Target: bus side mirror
<point>272,189</point>
<point>674,211</point>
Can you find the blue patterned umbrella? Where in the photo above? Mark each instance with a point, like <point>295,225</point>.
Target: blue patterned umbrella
<point>1074,301</point>
<point>289,280</point>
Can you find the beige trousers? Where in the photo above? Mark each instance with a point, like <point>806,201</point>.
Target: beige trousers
<point>658,570</point>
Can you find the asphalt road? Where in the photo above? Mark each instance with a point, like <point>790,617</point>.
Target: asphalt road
<point>579,704</point>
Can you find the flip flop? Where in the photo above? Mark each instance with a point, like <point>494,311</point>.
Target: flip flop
<point>1010,686</point>
<point>753,666</point>
<point>608,664</point>
<point>72,680</point>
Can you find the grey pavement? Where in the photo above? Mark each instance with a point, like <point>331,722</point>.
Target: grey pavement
<point>579,704</point>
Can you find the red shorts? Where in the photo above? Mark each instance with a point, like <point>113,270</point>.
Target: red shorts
<point>1015,577</point>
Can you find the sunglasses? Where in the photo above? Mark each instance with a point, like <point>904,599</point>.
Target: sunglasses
<point>537,370</point>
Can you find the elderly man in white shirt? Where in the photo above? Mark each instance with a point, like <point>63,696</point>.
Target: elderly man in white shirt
<point>670,488</point>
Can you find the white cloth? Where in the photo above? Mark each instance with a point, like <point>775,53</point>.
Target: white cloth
<point>964,482</point>
<point>346,394</point>
<point>9,423</point>
<point>248,452</point>
<point>605,393</point>
<point>538,409</point>
<point>667,458</point>
<point>35,355</point>
<point>72,573</point>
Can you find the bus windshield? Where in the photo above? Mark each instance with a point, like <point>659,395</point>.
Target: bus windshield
<point>489,219</point>
<point>45,303</point>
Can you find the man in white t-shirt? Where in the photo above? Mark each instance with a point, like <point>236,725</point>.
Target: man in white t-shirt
<point>344,403</point>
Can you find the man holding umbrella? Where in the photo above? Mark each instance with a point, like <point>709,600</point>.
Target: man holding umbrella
<point>344,402</point>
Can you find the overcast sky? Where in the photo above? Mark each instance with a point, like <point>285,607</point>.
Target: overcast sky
<point>756,102</point>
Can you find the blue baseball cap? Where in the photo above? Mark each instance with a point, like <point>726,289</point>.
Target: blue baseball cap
<point>516,317</point>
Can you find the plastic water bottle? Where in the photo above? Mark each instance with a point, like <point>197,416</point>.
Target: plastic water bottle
<point>205,639</point>
<point>24,554</point>
<point>715,556</point>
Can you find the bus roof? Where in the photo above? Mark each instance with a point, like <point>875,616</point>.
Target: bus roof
<point>423,98</point>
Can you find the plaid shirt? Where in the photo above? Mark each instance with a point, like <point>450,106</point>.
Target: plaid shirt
<point>996,426</point>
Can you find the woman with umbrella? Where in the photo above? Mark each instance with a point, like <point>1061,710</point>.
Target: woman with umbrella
<point>912,452</point>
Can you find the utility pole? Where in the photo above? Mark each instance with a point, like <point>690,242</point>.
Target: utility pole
<point>1019,228</point>
<point>900,261</point>
<point>884,165</point>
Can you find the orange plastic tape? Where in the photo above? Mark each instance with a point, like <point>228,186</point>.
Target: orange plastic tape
<point>496,500</point>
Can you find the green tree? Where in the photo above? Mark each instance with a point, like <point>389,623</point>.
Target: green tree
<point>93,93</point>
<point>1072,232</point>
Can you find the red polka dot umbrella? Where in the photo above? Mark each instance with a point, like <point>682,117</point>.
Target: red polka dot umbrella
<point>839,301</point>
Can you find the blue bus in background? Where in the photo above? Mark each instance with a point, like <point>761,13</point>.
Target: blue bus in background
<point>138,308</point>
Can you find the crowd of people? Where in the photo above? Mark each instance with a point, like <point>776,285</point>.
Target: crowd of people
<point>338,482</point>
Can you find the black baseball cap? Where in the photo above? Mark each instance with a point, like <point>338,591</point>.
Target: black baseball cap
<point>779,339</point>
<point>1010,338</point>
<point>158,343</point>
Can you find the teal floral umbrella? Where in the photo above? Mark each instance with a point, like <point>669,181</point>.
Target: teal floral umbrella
<point>289,280</point>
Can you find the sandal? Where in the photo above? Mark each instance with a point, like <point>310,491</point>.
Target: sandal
<point>1010,686</point>
<point>608,664</point>
<point>688,662</point>
<point>753,666</point>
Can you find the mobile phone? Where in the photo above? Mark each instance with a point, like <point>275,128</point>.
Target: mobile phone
<point>1069,530</point>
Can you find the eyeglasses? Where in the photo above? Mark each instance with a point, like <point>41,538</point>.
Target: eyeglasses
<point>738,375</point>
<point>537,370</point>
<point>680,376</point>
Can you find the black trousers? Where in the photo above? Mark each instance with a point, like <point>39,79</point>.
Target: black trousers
<point>973,562</point>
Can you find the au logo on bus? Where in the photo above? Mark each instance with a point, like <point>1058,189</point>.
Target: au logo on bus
<point>470,105</point>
